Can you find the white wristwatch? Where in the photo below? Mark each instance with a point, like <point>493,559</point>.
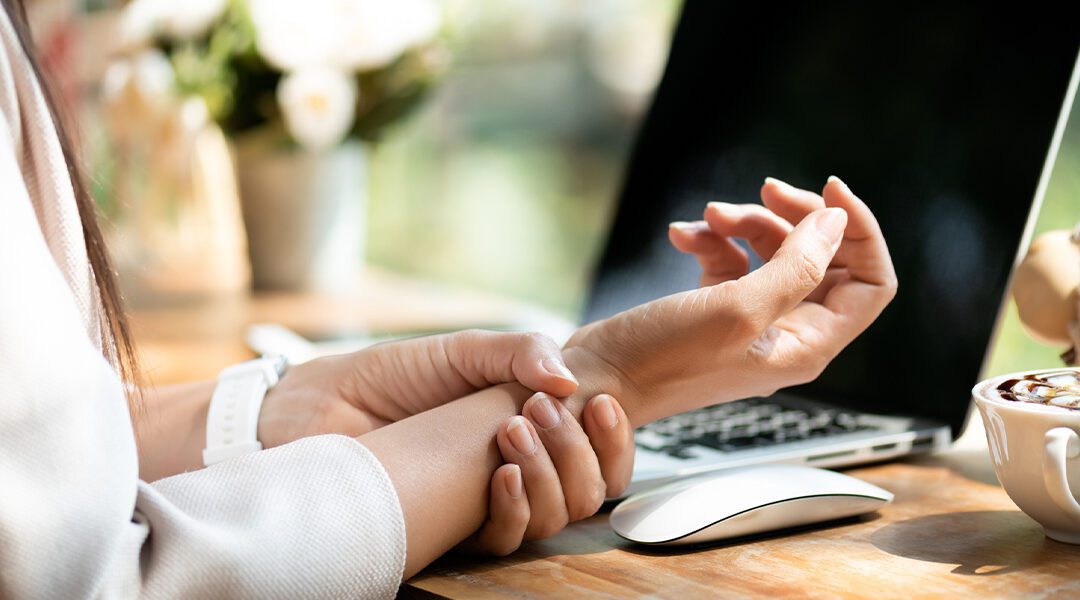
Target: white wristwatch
<point>232,422</point>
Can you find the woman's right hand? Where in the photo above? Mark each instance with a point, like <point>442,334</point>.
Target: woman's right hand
<point>828,275</point>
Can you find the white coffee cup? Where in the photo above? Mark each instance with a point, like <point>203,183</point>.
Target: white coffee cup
<point>1035,448</point>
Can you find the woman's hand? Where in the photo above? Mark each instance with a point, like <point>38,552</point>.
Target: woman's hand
<point>555,471</point>
<point>355,393</point>
<point>828,275</point>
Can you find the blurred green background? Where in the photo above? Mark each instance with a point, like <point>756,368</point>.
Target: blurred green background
<point>505,179</point>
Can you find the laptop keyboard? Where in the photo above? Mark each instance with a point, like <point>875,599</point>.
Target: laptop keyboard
<point>753,423</point>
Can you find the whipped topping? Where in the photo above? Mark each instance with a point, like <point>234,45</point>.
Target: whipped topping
<point>1058,388</point>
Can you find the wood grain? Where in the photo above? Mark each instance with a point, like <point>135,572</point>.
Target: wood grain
<point>943,536</point>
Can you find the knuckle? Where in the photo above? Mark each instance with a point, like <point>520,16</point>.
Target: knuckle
<point>805,367</point>
<point>616,489</point>
<point>588,502</point>
<point>534,339</point>
<point>813,369</point>
<point>551,525</point>
<point>807,270</point>
<point>596,499</point>
<point>502,547</point>
<point>506,548</point>
<point>891,286</point>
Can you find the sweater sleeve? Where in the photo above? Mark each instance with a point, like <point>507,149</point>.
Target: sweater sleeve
<point>315,518</point>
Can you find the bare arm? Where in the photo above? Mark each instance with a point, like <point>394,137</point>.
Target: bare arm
<point>170,428</point>
<point>441,460</point>
<point>352,393</point>
<point>741,337</point>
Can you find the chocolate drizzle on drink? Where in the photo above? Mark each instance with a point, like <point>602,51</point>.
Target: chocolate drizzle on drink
<point>1058,388</point>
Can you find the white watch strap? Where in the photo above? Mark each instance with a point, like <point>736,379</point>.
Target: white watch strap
<point>232,421</point>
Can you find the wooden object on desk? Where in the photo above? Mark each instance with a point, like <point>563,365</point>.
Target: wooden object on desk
<point>945,536</point>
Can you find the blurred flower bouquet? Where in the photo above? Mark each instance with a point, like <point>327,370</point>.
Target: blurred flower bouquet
<point>298,87</point>
<point>318,71</point>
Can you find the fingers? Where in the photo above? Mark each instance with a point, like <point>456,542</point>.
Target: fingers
<point>789,202</point>
<point>508,514</point>
<point>797,268</point>
<point>612,440</point>
<point>761,227</point>
<point>520,445</point>
<point>485,358</point>
<point>526,491</point>
<point>571,453</point>
<point>865,252</point>
<point>854,301</point>
<point>721,259</point>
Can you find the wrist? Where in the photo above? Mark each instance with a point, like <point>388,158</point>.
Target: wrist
<point>233,419</point>
<point>599,376</point>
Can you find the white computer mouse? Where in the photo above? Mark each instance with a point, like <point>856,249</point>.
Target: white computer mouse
<point>742,501</point>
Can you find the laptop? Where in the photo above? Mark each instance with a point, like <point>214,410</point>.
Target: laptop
<point>945,120</point>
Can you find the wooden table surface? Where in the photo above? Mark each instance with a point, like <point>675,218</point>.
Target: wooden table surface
<point>944,536</point>
<point>951,531</point>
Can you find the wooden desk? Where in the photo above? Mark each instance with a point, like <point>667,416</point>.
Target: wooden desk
<point>952,531</point>
<point>945,536</point>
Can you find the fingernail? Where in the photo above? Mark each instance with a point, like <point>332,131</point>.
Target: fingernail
<point>520,436</point>
<point>605,413</point>
<point>778,182</point>
<point>543,412</point>
<point>830,222</point>
<point>681,226</point>
<point>726,208</point>
<point>513,481</point>
<point>557,369</point>
<point>833,178</point>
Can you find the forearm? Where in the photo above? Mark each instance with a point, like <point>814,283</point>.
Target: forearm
<point>170,427</point>
<point>441,460</point>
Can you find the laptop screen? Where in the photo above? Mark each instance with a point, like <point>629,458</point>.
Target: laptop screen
<point>939,117</point>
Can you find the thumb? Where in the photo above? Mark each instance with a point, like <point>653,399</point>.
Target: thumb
<point>532,359</point>
<point>796,269</point>
<point>538,365</point>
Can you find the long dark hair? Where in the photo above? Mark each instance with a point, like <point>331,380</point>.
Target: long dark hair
<point>116,341</point>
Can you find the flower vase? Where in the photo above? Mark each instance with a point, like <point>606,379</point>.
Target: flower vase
<point>304,214</point>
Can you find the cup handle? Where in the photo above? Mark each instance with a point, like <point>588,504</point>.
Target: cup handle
<point>1061,444</point>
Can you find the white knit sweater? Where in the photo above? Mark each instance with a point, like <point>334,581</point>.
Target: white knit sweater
<point>315,518</point>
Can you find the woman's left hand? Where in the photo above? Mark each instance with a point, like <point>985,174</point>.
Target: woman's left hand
<point>557,471</point>
<point>352,394</point>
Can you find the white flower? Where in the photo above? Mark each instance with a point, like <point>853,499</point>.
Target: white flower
<point>147,77</point>
<point>318,104</point>
<point>175,19</point>
<point>187,19</point>
<point>379,32</point>
<point>140,21</point>
<point>137,91</point>
<point>349,34</point>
